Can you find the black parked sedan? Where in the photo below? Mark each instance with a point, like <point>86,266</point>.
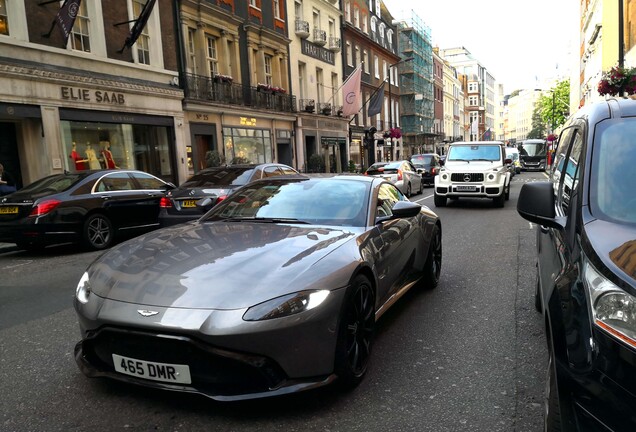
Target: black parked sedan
<point>90,207</point>
<point>586,272</point>
<point>180,204</point>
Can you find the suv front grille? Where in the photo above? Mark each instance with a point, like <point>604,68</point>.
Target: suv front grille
<point>462,177</point>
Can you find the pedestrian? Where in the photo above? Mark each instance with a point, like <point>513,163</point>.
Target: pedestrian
<point>7,185</point>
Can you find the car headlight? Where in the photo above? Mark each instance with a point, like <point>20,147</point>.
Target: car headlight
<point>613,309</point>
<point>444,176</point>
<point>83,290</point>
<point>286,305</point>
<point>491,176</point>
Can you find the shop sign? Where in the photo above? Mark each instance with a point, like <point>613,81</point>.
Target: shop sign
<point>317,52</point>
<point>87,95</point>
<point>244,121</point>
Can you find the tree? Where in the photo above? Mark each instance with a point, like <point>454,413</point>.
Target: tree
<point>538,125</point>
<point>554,104</point>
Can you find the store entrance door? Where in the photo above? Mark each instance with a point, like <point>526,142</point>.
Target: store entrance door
<point>202,140</point>
<point>9,152</point>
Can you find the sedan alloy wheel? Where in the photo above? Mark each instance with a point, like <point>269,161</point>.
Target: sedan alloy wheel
<point>98,232</point>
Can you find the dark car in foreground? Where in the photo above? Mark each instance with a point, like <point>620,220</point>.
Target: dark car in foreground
<point>180,204</point>
<point>276,290</point>
<point>586,270</point>
<point>428,165</point>
<point>91,207</point>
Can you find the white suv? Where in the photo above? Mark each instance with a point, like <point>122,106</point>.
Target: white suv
<point>474,169</point>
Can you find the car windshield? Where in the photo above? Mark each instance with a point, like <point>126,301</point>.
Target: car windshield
<point>342,202</point>
<point>473,153</point>
<point>376,169</point>
<point>421,160</point>
<point>222,176</point>
<point>533,149</point>
<point>613,178</point>
<point>55,183</point>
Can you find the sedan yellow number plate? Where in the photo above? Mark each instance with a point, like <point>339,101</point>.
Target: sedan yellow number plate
<point>166,372</point>
<point>189,203</point>
<point>8,210</point>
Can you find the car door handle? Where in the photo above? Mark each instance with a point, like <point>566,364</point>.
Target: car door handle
<point>105,197</point>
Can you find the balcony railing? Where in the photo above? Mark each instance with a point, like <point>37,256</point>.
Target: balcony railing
<point>302,29</point>
<point>320,37</point>
<point>334,44</point>
<point>325,108</point>
<point>206,89</point>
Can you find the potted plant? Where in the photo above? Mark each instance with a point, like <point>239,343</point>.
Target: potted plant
<point>223,78</point>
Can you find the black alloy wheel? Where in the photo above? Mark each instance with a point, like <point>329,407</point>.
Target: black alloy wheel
<point>433,265</point>
<point>408,190</point>
<point>421,191</point>
<point>356,332</point>
<point>98,232</point>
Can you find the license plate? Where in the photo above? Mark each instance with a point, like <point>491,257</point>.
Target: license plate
<point>8,210</point>
<point>466,188</point>
<point>165,372</point>
<point>188,203</point>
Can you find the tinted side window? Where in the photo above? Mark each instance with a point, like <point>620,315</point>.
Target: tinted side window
<point>115,182</point>
<point>146,181</point>
<point>388,195</point>
<point>287,170</point>
<point>271,171</point>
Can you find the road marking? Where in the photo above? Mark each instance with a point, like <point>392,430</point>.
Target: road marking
<point>18,264</point>
<point>423,198</point>
<point>531,225</point>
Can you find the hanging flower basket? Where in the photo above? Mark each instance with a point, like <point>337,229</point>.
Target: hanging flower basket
<point>551,138</point>
<point>618,81</point>
<point>395,133</point>
<point>266,88</point>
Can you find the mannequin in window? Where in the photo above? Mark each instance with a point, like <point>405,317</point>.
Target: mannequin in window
<point>80,164</point>
<point>107,157</point>
<point>91,156</point>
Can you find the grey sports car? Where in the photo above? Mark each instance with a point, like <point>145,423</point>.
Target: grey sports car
<point>275,290</point>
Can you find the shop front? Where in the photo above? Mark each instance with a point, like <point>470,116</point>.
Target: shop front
<point>326,138</point>
<point>249,138</point>
<point>63,122</point>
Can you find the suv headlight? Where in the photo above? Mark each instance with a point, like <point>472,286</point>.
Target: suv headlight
<point>83,290</point>
<point>286,305</point>
<point>613,309</point>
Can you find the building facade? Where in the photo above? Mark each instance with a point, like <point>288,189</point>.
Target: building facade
<point>65,103</point>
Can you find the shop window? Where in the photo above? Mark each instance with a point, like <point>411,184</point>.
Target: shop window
<point>247,145</point>
<point>80,35</point>
<point>92,145</point>
<point>4,18</point>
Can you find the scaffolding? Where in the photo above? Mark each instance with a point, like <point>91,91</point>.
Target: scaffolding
<point>416,82</point>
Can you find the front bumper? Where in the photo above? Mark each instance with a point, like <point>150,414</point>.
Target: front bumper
<point>229,358</point>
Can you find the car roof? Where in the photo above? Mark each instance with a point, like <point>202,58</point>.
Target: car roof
<point>477,143</point>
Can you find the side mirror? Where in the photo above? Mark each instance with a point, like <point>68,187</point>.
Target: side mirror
<point>536,204</point>
<point>403,209</point>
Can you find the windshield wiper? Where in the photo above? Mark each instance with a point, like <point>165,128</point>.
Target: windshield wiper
<point>459,160</point>
<point>484,160</point>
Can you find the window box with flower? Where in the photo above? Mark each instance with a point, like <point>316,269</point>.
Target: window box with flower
<point>222,78</point>
<point>266,88</point>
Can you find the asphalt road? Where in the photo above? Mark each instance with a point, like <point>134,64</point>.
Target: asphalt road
<point>467,356</point>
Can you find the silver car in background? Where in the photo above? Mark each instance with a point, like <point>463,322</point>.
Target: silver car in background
<point>401,173</point>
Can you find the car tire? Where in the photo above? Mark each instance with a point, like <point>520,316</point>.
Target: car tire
<point>355,333</point>
<point>98,232</point>
<point>433,265</point>
<point>408,190</point>
<point>440,201</point>
<point>421,191</point>
<point>500,200</point>
<point>508,192</point>
<point>552,409</point>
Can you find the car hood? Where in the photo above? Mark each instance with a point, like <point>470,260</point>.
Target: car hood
<point>473,166</point>
<point>217,265</point>
<point>616,247</point>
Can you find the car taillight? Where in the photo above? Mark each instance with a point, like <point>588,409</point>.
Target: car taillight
<point>44,207</point>
<point>399,175</point>
<point>433,171</point>
<point>165,202</point>
<point>221,198</point>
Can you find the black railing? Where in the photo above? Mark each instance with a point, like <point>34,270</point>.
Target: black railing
<point>203,88</point>
<point>324,108</point>
<point>307,105</point>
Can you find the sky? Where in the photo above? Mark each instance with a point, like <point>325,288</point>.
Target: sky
<point>522,44</point>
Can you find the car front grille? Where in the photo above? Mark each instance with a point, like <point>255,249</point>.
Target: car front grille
<point>472,177</point>
<point>213,370</point>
